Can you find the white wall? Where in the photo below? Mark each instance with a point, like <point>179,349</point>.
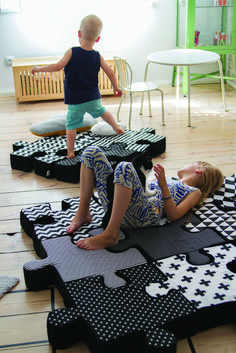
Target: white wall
<point>134,28</point>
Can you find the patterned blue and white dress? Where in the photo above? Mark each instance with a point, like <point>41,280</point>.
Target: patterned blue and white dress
<point>142,211</point>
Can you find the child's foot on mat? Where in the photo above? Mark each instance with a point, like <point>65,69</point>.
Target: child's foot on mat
<point>76,223</point>
<point>70,155</point>
<point>100,241</point>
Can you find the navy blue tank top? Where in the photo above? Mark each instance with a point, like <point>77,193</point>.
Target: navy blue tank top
<point>81,76</point>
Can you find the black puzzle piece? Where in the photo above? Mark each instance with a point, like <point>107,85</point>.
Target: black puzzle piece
<point>116,319</point>
<point>164,241</point>
<point>48,155</point>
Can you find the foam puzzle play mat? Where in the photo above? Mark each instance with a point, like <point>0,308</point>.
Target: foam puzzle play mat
<point>47,156</point>
<point>158,285</point>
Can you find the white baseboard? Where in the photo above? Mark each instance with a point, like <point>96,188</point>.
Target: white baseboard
<point>7,93</point>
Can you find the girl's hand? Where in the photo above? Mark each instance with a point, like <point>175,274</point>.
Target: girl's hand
<point>159,173</point>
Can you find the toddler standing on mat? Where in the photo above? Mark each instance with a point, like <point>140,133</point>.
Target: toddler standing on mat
<point>82,65</point>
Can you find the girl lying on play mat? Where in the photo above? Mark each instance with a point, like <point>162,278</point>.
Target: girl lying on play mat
<point>131,208</point>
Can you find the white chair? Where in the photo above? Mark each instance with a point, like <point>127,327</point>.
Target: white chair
<point>125,75</point>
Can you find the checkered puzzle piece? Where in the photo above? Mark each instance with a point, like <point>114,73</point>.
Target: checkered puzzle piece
<point>40,222</point>
<point>48,155</point>
<point>225,197</point>
<point>219,212</point>
<point>44,154</point>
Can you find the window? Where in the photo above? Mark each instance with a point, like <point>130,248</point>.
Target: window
<point>10,6</point>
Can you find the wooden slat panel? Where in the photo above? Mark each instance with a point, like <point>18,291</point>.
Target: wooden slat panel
<point>61,78</point>
<point>31,82</point>
<point>50,84</point>
<point>44,86</point>
<point>46,77</point>
<point>57,82</point>
<point>53,83</point>
<point>43,82</point>
<point>23,83</point>
<point>27,83</point>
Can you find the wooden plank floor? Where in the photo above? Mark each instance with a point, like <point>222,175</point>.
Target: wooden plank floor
<point>212,138</point>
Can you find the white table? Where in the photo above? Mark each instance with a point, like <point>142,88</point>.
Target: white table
<point>186,57</point>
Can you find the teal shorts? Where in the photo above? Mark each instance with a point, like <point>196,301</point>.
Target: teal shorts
<point>75,115</point>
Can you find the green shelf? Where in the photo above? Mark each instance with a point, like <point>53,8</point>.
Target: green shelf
<point>217,27</point>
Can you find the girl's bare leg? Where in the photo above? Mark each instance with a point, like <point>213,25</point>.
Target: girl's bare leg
<point>110,236</point>
<point>87,184</point>
<point>70,138</point>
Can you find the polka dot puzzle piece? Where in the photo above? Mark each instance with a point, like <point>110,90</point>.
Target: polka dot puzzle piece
<point>116,319</point>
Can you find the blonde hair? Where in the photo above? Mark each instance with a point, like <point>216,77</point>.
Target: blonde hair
<point>210,181</point>
<point>91,27</point>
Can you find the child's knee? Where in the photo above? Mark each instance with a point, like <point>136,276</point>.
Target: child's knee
<point>91,151</point>
<point>89,155</point>
<point>94,158</point>
<point>123,167</point>
<point>124,174</point>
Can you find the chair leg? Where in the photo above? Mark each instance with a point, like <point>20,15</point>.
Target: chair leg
<point>130,111</point>
<point>118,112</point>
<point>145,79</point>
<point>141,109</point>
<point>149,102</point>
<point>162,106</point>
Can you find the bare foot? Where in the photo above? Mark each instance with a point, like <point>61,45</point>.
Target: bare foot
<point>119,131</point>
<point>70,155</point>
<point>100,241</point>
<point>78,221</point>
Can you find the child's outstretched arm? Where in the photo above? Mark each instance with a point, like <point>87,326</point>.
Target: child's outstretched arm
<point>110,73</point>
<point>54,67</point>
<point>174,212</point>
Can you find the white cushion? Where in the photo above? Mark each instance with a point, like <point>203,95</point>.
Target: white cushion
<point>104,129</point>
<point>56,125</point>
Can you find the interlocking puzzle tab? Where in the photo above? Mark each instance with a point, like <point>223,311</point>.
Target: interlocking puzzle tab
<point>165,241</point>
<point>41,222</point>
<point>119,319</point>
<point>48,155</point>
<point>156,286</point>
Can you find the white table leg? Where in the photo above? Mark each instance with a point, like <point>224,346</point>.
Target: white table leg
<point>189,108</point>
<point>222,84</point>
<point>177,86</point>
